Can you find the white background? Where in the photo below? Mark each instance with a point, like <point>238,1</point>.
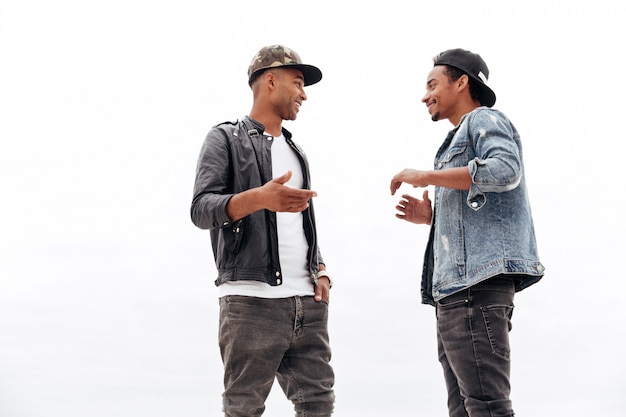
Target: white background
<point>107,302</point>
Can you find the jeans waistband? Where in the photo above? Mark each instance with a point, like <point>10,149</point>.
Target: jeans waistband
<point>504,283</point>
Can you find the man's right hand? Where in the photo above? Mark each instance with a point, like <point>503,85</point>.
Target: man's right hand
<point>280,198</point>
<point>274,196</point>
<point>415,210</point>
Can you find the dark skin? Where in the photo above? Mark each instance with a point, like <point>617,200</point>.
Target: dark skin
<point>277,95</point>
<point>445,99</point>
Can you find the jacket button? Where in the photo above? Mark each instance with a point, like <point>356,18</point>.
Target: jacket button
<point>278,281</point>
<point>474,204</point>
<point>277,274</point>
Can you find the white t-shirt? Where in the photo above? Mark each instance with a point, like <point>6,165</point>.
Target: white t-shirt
<point>292,244</point>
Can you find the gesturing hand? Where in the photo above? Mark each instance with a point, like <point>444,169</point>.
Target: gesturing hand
<point>410,176</point>
<point>415,210</point>
<point>280,198</point>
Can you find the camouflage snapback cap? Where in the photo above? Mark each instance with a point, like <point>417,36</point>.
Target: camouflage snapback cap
<point>281,56</point>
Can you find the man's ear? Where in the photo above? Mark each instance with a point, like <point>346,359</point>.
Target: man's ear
<point>270,79</point>
<point>462,82</point>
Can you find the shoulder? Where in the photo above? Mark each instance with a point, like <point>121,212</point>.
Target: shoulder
<point>227,125</point>
<point>490,119</point>
<point>227,130</point>
<point>489,115</point>
<point>490,123</point>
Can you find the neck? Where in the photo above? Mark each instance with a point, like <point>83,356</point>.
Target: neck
<point>462,111</point>
<point>273,125</point>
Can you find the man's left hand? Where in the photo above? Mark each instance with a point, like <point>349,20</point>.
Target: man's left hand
<point>322,289</point>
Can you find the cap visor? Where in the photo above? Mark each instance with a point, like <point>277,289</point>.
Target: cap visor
<point>487,97</point>
<point>311,74</point>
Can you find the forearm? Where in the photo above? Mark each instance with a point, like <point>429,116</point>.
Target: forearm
<point>244,203</point>
<point>456,178</point>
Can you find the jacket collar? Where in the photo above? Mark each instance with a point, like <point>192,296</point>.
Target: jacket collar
<point>255,126</point>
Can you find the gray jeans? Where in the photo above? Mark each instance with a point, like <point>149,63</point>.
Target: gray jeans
<point>473,342</point>
<point>287,339</point>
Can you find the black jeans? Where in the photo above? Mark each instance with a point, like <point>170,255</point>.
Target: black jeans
<point>473,342</point>
<point>285,338</point>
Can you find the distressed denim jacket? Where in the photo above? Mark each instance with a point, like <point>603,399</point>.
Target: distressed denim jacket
<point>488,230</point>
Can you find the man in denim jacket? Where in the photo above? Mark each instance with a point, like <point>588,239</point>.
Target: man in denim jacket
<point>252,191</point>
<point>482,246</point>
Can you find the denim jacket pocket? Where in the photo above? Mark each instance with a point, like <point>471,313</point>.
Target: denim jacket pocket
<point>453,157</point>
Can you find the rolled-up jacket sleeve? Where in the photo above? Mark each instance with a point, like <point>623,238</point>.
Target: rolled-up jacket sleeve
<point>497,166</point>
<point>212,190</point>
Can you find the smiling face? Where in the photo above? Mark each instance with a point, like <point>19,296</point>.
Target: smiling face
<point>441,94</point>
<point>289,93</point>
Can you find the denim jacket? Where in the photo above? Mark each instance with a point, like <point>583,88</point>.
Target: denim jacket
<point>236,157</point>
<point>488,230</point>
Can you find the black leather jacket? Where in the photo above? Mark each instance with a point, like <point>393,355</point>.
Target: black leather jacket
<point>236,157</point>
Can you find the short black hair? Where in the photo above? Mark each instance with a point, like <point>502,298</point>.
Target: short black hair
<point>255,76</point>
<point>454,74</point>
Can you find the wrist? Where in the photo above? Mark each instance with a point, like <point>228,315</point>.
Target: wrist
<point>320,274</point>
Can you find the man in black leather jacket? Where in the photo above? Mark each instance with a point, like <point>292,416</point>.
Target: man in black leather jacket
<point>252,191</point>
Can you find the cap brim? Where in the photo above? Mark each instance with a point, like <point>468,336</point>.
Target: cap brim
<point>311,74</point>
<point>487,96</point>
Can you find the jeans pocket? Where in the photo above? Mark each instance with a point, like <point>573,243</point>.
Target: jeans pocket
<point>498,324</point>
<point>449,306</point>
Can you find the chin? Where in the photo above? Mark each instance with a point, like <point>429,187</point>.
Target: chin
<point>435,117</point>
